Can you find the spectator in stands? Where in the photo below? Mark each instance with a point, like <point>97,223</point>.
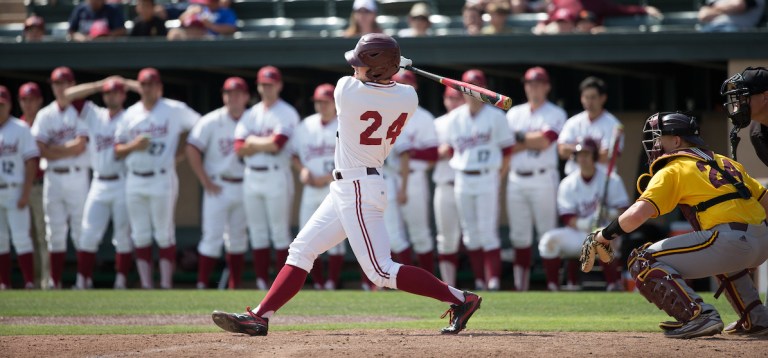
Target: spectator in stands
<point>34,29</point>
<point>93,11</point>
<point>146,22</point>
<point>472,15</point>
<point>730,15</point>
<point>214,18</point>
<point>562,21</point>
<point>601,8</point>
<point>363,19</point>
<point>499,12</point>
<point>586,22</point>
<point>523,6</point>
<point>418,22</point>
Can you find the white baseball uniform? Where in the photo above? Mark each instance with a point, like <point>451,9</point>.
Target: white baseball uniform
<point>393,216</point>
<point>532,183</point>
<point>446,211</point>
<point>223,214</point>
<point>65,186</point>
<point>601,130</point>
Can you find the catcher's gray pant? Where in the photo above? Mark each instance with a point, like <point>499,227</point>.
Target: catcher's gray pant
<point>721,250</point>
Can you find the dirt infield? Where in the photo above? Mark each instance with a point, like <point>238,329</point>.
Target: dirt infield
<point>382,343</point>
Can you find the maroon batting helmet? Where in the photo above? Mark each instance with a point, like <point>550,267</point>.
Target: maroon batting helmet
<point>379,52</point>
<point>588,144</point>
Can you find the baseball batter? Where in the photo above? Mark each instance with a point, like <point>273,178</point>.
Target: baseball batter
<point>106,197</point>
<point>532,182</point>
<point>727,209</point>
<point>61,136</point>
<point>147,138</point>
<point>313,146</point>
<point>211,154</point>
<point>420,136</point>
<point>260,139</point>
<point>577,202</point>
<point>372,111</point>
<point>594,122</point>
<point>446,212</point>
<point>18,165</point>
<point>481,143</point>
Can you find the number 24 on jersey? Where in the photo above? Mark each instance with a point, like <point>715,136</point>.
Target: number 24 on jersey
<point>392,132</point>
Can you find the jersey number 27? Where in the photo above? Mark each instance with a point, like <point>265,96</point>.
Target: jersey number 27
<point>392,132</point>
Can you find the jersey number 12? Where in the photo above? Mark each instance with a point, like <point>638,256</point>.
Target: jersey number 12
<point>392,132</point>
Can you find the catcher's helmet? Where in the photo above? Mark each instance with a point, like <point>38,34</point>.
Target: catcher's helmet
<point>589,145</point>
<point>669,123</point>
<point>737,91</point>
<point>379,52</point>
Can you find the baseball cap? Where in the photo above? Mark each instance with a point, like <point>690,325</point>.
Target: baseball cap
<point>405,77</point>
<point>269,74</point>
<point>536,74</point>
<point>498,7</point>
<point>30,89</point>
<point>62,74</point>
<point>235,84</point>
<point>420,9</point>
<point>5,95</point>
<point>149,74</point>
<point>34,21</point>
<point>113,85</point>
<point>324,92</point>
<point>755,79</point>
<point>452,93</point>
<point>369,5</point>
<point>562,14</point>
<point>98,29</point>
<point>475,77</point>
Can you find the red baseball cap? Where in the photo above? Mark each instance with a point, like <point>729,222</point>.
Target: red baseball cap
<point>62,74</point>
<point>536,74</point>
<point>452,92</point>
<point>5,95</point>
<point>113,85</point>
<point>34,21</point>
<point>235,84</point>
<point>269,74</point>
<point>30,89</point>
<point>405,77</point>
<point>324,92</point>
<point>149,74</point>
<point>475,77</point>
<point>98,29</point>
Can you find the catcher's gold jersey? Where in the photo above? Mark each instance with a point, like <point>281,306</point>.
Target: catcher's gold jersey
<point>686,180</point>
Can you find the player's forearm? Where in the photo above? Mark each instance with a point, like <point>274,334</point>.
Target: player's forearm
<point>180,150</point>
<point>255,145</point>
<point>55,152</point>
<point>505,163</point>
<point>82,90</point>
<point>196,163</point>
<point>405,168</point>
<point>30,171</point>
<point>123,150</point>
<point>222,29</point>
<point>730,6</point>
<point>536,141</point>
<point>565,150</point>
<point>636,215</point>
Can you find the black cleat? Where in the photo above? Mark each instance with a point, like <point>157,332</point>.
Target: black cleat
<point>460,314</point>
<point>248,322</point>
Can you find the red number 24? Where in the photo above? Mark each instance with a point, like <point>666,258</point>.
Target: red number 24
<point>392,132</point>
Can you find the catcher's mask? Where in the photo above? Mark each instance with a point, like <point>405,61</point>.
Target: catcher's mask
<point>737,91</point>
<point>669,123</point>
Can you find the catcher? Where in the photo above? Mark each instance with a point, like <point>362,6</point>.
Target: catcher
<point>727,209</point>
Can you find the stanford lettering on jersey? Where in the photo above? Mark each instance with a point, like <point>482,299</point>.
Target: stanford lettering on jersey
<point>265,132</point>
<point>467,142</point>
<point>104,142</point>
<point>226,146</point>
<point>154,130</point>
<point>8,148</point>
<point>63,134</point>
<point>588,206</point>
<point>319,151</point>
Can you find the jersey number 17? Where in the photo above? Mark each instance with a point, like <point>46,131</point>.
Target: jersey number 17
<point>392,132</point>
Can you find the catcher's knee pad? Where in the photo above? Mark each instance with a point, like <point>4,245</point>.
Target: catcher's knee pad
<point>639,260</point>
<point>665,290</point>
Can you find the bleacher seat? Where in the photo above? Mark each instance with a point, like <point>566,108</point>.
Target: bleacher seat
<point>523,23</point>
<point>52,13</point>
<point>257,28</point>
<point>342,8</point>
<point>317,27</point>
<point>396,7</point>
<point>619,24</point>
<point>447,7</point>
<point>11,30</point>
<point>301,9</point>
<point>255,9</point>
<point>677,21</point>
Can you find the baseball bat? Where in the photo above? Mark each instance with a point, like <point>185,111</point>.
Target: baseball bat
<point>613,154</point>
<point>482,94</point>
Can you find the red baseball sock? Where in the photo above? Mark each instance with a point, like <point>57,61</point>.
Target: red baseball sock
<point>123,263</point>
<point>205,265</point>
<point>451,258</point>
<point>5,269</point>
<point>168,253</point>
<point>57,267</point>
<point>335,262</point>
<point>235,263</point>
<point>27,266</point>
<point>261,264</point>
<point>476,260</point>
<point>416,280</point>
<point>523,257</point>
<point>85,262</point>
<point>317,272</point>
<point>552,270</point>
<point>144,253</point>
<point>405,257</point>
<point>427,261</point>
<point>287,284</point>
<point>492,264</point>
<point>573,271</point>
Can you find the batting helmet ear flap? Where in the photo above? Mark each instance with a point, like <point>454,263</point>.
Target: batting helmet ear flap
<point>642,182</point>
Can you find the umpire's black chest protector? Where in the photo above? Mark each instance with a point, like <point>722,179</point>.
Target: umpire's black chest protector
<point>758,135</point>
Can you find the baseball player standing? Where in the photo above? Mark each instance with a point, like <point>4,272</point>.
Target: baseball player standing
<point>260,139</point>
<point>578,199</point>
<point>420,136</point>
<point>314,145</point>
<point>211,154</point>
<point>18,165</point>
<point>148,138</point>
<point>727,209</point>
<point>594,122</point>
<point>446,212</point>
<point>372,111</point>
<point>106,196</point>
<point>30,101</point>
<point>481,143</point>
<point>61,136</point>
<point>532,182</point>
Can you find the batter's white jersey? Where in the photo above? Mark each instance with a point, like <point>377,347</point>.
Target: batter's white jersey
<point>580,198</point>
<point>478,141</point>
<point>548,117</point>
<point>443,173</point>
<point>16,146</point>
<point>280,119</point>
<point>56,126</point>
<point>101,137</point>
<point>214,137</point>
<point>418,133</point>
<point>365,136</point>
<point>579,126</point>
<point>315,143</point>
<point>163,124</point>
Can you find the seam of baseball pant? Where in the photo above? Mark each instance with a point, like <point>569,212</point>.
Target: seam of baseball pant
<point>364,230</point>
<point>689,249</point>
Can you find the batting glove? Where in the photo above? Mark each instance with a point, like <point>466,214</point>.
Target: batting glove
<point>405,62</point>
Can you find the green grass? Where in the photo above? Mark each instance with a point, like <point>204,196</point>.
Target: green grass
<point>532,311</point>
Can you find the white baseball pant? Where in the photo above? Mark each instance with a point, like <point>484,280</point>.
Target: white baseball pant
<point>478,205</point>
<point>446,219</point>
<point>563,242</point>
<point>267,205</point>
<point>393,219</point>
<point>151,202</point>
<point>106,198</point>
<point>311,199</point>
<point>415,212</point>
<point>64,197</point>
<point>531,201</point>
<point>224,221</point>
<point>14,221</point>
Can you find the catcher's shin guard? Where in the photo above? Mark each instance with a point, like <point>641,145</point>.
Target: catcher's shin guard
<point>662,288</point>
<point>730,285</point>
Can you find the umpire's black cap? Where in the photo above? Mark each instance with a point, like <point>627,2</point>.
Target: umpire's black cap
<point>755,79</point>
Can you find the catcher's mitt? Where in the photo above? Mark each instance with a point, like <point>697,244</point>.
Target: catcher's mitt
<point>591,248</point>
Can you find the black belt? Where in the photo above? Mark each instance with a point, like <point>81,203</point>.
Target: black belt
<point>64,170</point>
<point>527,174</point>
<point>743,226</point>
<point>148,174</point>
<point>369,171</point>
<point>6,186</point>
<point>449,183</point>
<point>261,169</point>
<point>108,177</point>
<point>231,180</point>
<point>475,172</point>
